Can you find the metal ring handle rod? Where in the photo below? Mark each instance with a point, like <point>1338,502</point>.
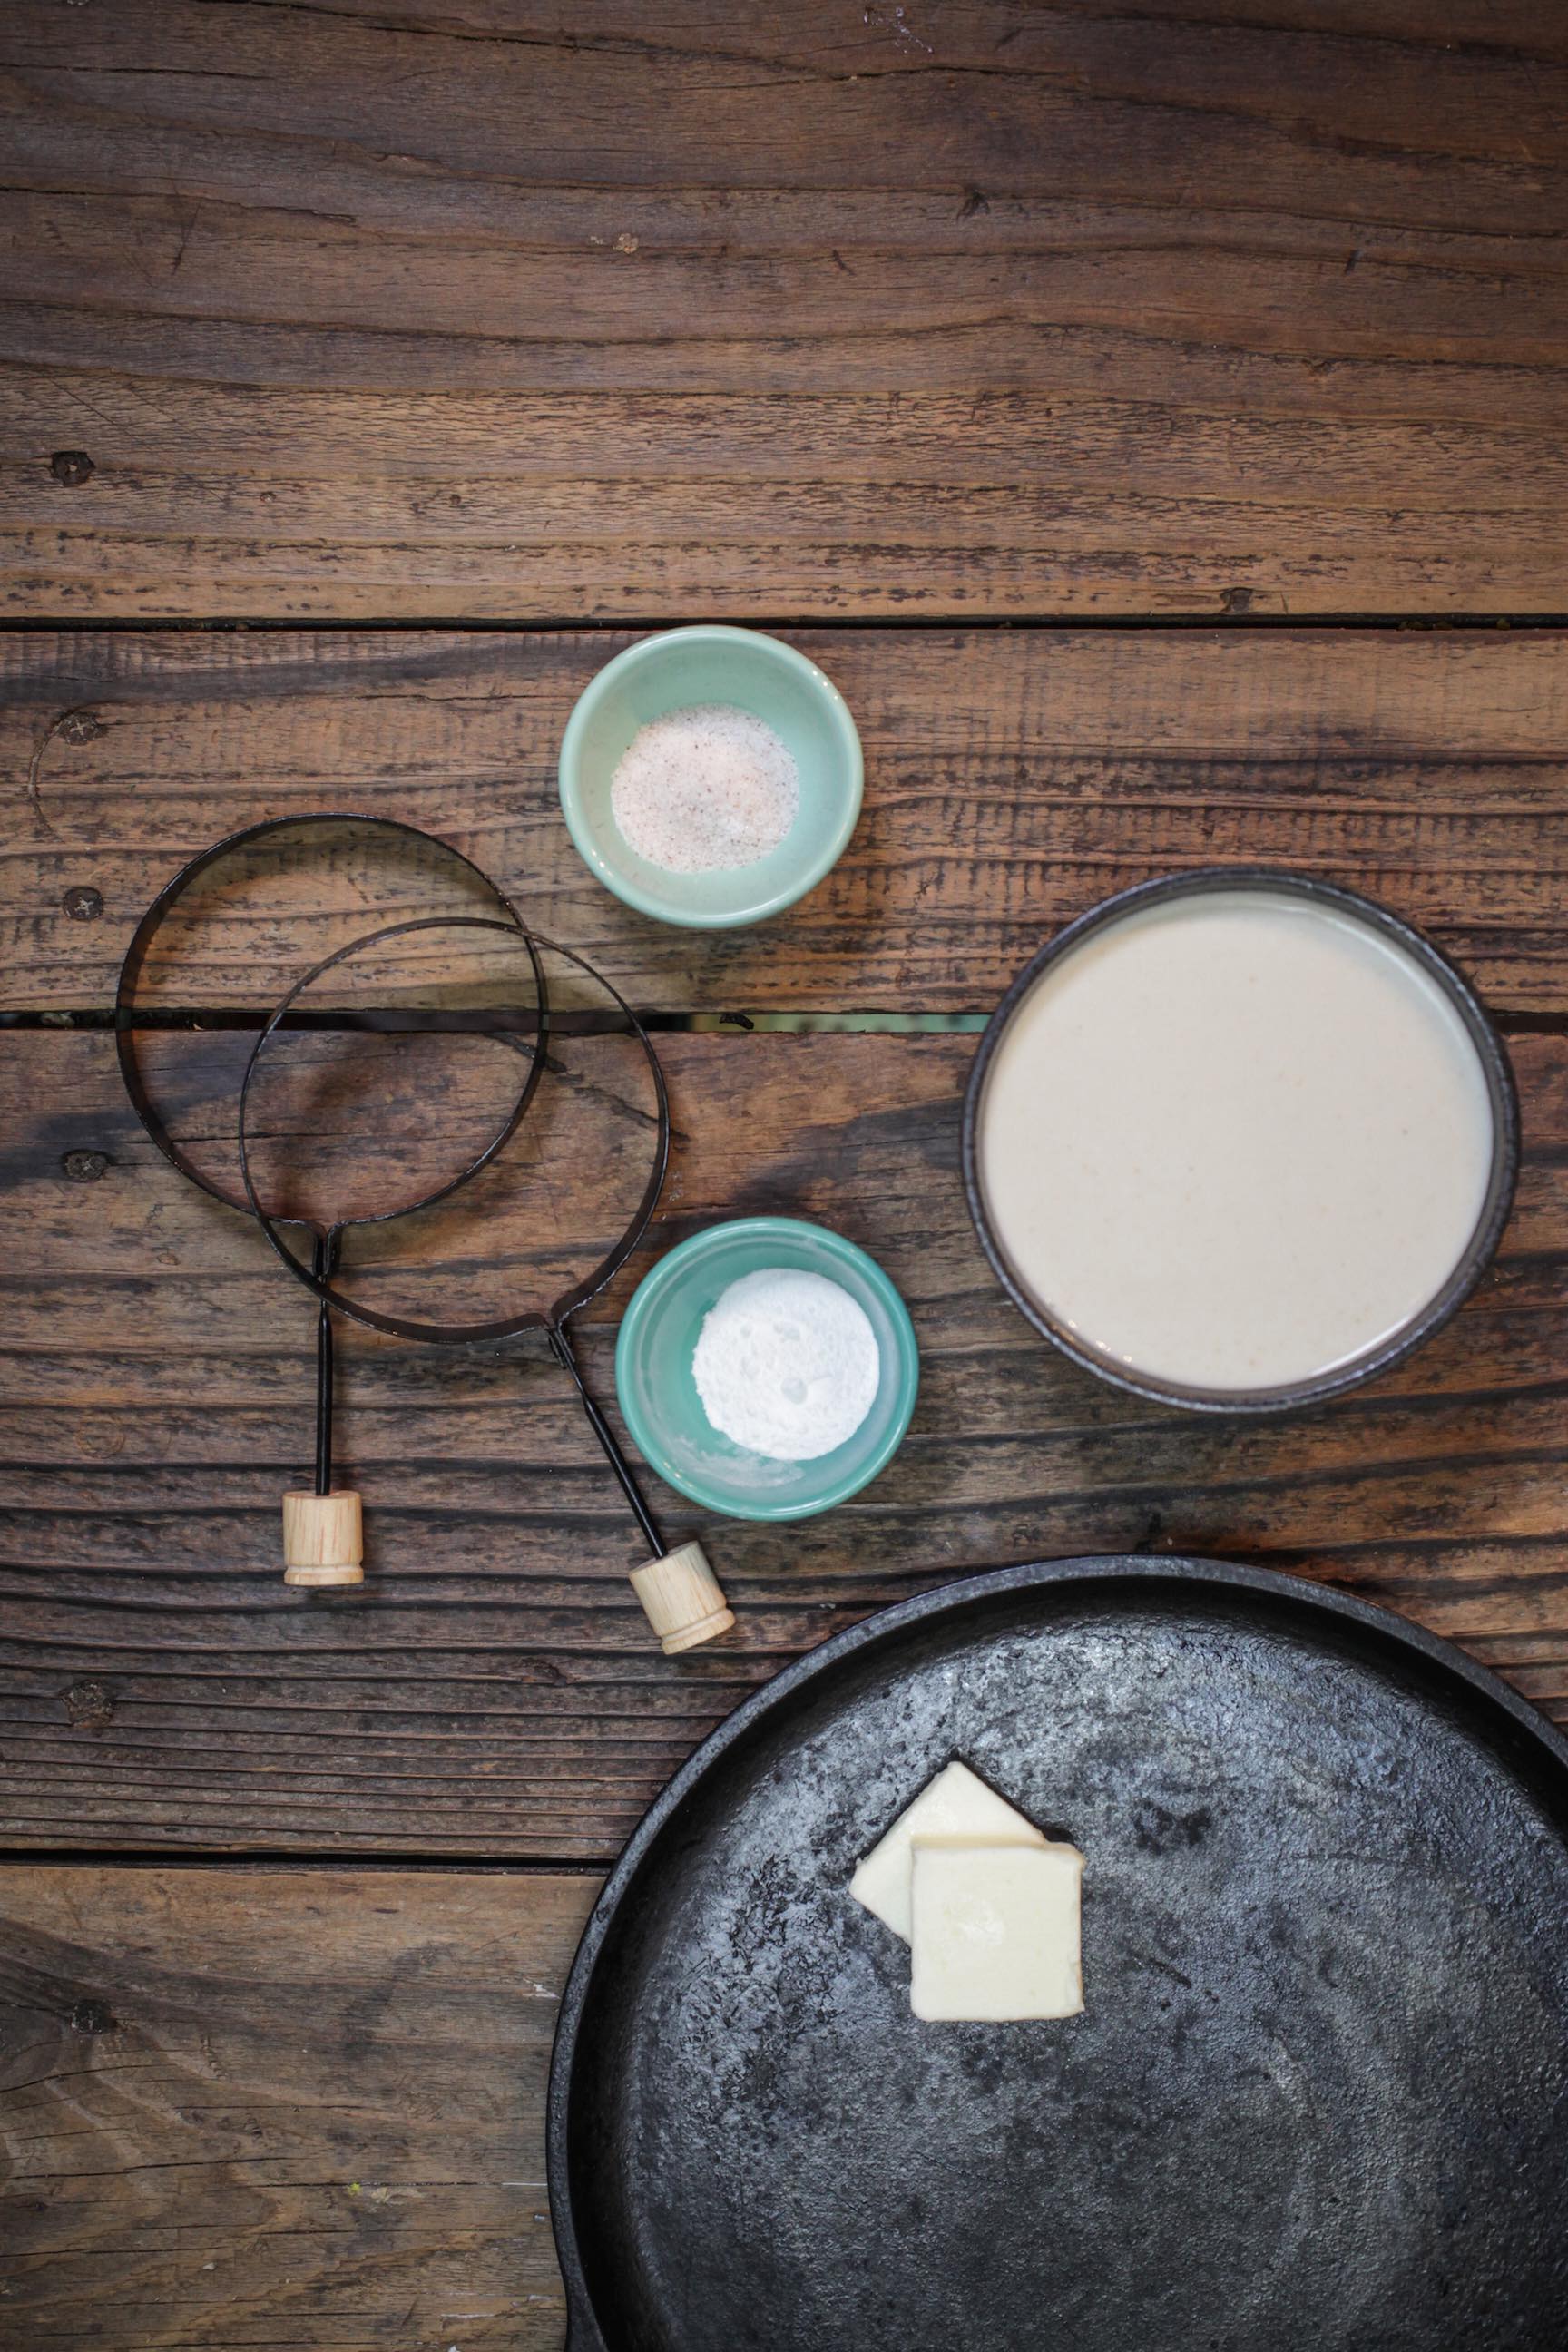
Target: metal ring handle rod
<point>681,1597</point>
<point>561,1349</point>
<point>324,1259</point>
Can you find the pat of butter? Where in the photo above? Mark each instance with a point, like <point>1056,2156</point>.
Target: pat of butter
<point>956,1804</point>
<point>996,1930</point>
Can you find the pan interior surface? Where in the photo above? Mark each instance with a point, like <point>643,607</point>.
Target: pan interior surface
<point>1319,2096</point>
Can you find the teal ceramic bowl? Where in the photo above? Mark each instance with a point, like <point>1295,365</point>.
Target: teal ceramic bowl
<point>757,673</point>
<point>658,1396</point>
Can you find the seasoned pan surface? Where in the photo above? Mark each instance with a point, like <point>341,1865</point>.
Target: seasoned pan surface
<point>1318,2096</point>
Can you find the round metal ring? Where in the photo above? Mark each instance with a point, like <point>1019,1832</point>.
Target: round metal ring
<point>456,1335</point>
<point>147,932</point>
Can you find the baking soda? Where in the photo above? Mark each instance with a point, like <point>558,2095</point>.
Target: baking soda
<point>704,788</point>
<point>786,1364</point>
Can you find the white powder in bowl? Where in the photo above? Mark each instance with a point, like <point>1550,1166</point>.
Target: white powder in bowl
<point>705,787</point>
<point>786,1364</point>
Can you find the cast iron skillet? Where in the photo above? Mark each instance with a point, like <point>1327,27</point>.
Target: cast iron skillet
<point>1319,2097</point>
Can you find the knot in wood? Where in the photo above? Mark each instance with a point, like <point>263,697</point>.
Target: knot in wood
<point>89,1705</point>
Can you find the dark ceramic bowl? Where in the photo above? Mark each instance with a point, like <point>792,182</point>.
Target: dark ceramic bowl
<point>1483,1242</point>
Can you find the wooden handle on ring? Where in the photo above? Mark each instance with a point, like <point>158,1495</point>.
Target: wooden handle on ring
<point>680,1594</point>
<point>323,1539</point>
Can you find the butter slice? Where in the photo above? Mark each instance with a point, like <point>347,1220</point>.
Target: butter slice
<point>996,1930</point>
<point>956,1804</point>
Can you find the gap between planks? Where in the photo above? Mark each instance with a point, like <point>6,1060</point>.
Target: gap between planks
<point>214,1858</point>
<point>1238,621</point>
<point>1511,1021</point>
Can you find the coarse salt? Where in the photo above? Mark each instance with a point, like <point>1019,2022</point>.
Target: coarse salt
<point>786,1364</point>
<point>704,788</point>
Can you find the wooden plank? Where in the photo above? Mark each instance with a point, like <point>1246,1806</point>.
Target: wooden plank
<point>294,2109</point>
<point>1013,778</point>
<point>493,1691</point>
<point>360,312</point>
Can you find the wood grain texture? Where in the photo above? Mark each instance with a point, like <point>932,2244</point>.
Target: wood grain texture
<point>373,310</point>
<point>1013,779</point>
<point>494,1690</point>
<point>294,2109</point>
<point>384,311</point>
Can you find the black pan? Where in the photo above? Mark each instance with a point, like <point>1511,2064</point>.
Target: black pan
<point>1319,2097</point>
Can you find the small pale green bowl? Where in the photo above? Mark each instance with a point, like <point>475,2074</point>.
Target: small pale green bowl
<point>756,674</point>
<point>659,1395</point>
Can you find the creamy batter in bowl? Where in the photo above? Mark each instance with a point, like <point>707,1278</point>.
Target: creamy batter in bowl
<point>1239,1139</point>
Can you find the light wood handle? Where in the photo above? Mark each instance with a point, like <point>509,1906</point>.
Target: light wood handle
<point>323,1539</point>
<point>681,1596</point>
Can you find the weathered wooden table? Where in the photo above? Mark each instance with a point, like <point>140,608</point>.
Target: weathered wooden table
<point>1101,397</point>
